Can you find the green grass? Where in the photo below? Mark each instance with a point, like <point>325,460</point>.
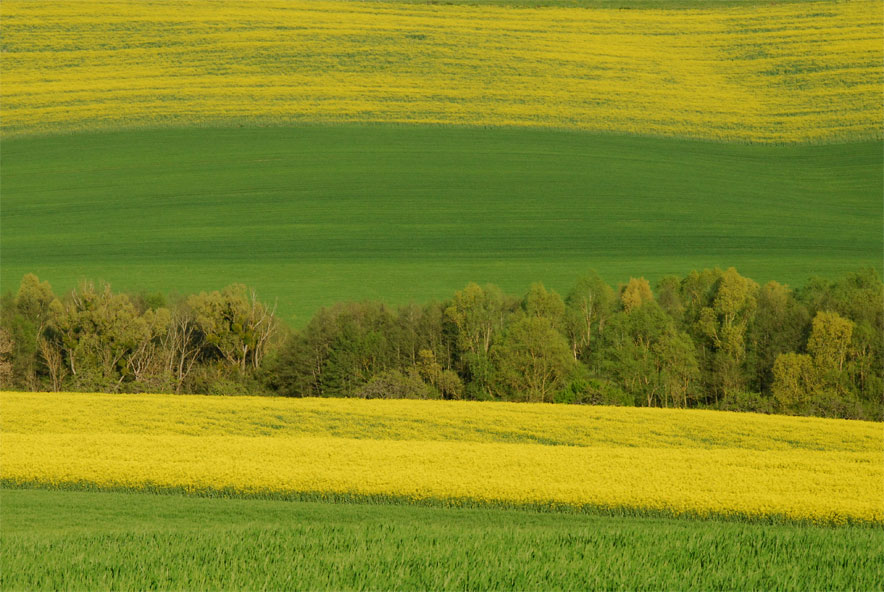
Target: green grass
<point>314,215</point>
<point>71,540</point>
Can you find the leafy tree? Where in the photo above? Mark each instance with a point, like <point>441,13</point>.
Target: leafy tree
<point>532,361</point>
<point>34,300</point>
<point>450,385</point>
<point>586,390</point>
<point>339,350</point>
<point>394,384</point>
<point>304,357</point>
<point>478,315</point>
<point>858,297</point>
<point>865,365</point>
<point>539,302</point>
<point>795,379</point>
<point>234,324</point>
<point>829,341</point>
<point>635,293</point>
<point>649,358</point>
<point>446,382</point>
<point>361,348</point>
<point>588,307</point>
<point>422,328</point>
<point>6,352</point>
<point>24,318</point>
<point>779,326</point>
<point>669,298</point>
<point>101,336</point>
<point>711,332</point>
<point>723,324</point>
<point>697,293</point>
<point>677,368</point>
<point>818,383</point>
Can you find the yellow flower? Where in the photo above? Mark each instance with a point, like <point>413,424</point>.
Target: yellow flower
<point>773,73</point>
<point>680,462</point>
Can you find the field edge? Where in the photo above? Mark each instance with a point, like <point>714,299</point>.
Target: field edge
<point>7,483</point>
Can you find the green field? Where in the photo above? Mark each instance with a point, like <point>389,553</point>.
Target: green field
<point>77,540</point>
<point>315,215</point>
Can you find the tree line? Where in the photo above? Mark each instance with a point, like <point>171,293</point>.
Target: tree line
<point>711,339</point>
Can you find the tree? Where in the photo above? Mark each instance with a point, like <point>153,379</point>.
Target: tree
<point>446,382</point>
<point>100,335</point>
<point>361,348</point>
<point>858,297</point>
<point>304,356</point>
<point>829,341</point>
<point>55,365</point>
<point>33,301</point>
<point>635,293</point>
<point>539,302</point>
<point>532,360</point>
<point>148,365</point>
<point>865,366</point>
<point>182,345</point>
<point>779,326</point>
<point>669,298</point>
<point>6,353</point>
<point>422,328</point>
<point>645,354</point>
<point>24,318</point>
<point>829,344</point>
<point>341,348</point>
<point>723,323</point>
<point>676,366</point>
<point>817,383</point>
<point>794,380</point>
<point>235,324</point>
<point>697,292</point>
<point>393,384</point>
<point>478,315</point>
<point>588,306</point>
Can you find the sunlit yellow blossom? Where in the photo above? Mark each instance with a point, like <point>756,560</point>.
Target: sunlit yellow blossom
<point>806,71</point>
<point>674,461</point>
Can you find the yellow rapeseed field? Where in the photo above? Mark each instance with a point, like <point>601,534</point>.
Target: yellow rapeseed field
<point>678,462</point>
<point>808,71</point>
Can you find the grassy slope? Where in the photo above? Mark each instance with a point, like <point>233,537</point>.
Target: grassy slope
<point>313,215</point>
<point>76,540</point>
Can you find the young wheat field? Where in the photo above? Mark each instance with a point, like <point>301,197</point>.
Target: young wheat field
<point>79,540</point>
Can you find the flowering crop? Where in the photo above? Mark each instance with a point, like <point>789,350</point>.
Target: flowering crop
<point>779,73</point>
<point>695,463</point>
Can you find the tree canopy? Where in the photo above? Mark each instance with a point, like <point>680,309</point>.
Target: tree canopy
<point>710,339</point>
